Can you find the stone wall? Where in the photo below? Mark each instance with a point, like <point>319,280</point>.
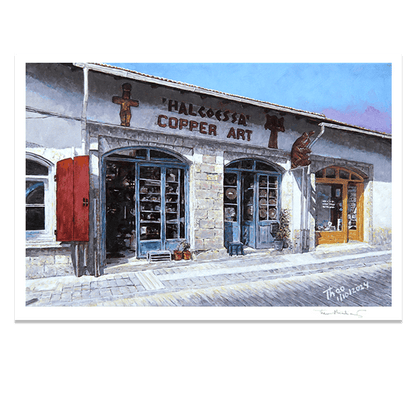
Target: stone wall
<point>207,225</point>
<point>382,237</point>
<point>48,262</point>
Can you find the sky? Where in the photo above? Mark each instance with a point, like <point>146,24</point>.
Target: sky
<point>356,93</point>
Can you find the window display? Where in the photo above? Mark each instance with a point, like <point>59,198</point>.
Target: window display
<point>352,207</point>
<point>155,195</point>
<point>230,197</point>
<point>328,207</point>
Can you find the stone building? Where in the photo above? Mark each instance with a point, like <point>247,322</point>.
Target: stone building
<point>120,164</point>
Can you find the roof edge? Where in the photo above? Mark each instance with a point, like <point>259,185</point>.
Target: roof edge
<point>138,76</point>
<point>349,127</point>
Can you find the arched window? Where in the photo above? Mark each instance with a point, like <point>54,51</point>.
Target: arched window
<point>252,190</point>
<point>38,203</point>
<point>146,192</point>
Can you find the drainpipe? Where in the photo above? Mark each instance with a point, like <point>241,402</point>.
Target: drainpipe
<point>304,206</point>
<point>302,211</point>
<point>322,125</point>
<point>84,135</point>
<point>304,199</point>
<point>85,150</point>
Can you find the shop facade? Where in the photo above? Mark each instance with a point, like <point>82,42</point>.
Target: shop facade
<point>170,163</point>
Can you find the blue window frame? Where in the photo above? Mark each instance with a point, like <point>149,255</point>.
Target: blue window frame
<point>252,194</point>
<point>146,193</point>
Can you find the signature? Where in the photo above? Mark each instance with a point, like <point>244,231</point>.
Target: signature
<point>340,293</point>
<point>341,312</point>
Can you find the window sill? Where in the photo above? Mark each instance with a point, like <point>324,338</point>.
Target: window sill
<point>45,241</point>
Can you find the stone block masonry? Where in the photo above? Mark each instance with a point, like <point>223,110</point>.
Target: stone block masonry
<point>48,262</point>
<point>206,185</point>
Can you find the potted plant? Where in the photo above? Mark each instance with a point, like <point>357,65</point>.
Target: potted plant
<point>182,251</point>
<point>177,255</point>
<point>281,230</point>
<point>187,255</point>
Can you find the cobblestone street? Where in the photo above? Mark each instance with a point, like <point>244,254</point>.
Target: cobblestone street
<point>311,279</point>
<point>355,286</point>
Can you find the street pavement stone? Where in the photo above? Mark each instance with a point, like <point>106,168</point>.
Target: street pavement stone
<point>234,282</point>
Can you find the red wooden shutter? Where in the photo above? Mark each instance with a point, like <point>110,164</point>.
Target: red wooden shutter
<point>72,199</point>
<point>65,200</point>
<point>81,198</point>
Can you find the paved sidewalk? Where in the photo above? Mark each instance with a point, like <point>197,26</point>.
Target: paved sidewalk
<point>142,279</point>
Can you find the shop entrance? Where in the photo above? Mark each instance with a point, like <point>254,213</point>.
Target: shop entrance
<point>146,193</point>
<point>251,202</point>
<point>339,206</point>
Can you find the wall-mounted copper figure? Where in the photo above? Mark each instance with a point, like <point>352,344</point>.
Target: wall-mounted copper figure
<point>301,151</point>
<point>126,103</point>
<point>275,125</point>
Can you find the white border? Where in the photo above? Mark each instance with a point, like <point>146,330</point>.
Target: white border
<point>210,313</point>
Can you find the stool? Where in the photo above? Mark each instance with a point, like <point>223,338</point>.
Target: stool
<point>235,249</point>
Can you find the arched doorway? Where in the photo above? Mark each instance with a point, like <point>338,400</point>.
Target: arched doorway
<point>339,205</point>
<point>146,192</point>
<point>252,193</point>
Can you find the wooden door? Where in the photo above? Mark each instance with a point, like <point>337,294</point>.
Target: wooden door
<point>339,206</point>
<point>355,211</point>
<point>72,199</point>
<point>330,200</point>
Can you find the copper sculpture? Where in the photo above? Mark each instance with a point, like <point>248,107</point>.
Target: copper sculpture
<point>126,103</point>
<point>301,151</point>
<point>275,125</point>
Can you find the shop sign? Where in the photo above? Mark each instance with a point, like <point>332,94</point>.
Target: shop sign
<point>203,127</point>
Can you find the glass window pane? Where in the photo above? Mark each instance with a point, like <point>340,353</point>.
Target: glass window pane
<point>355,177</point>
<point>131,153</point>
<point>35,192</point>
<point>248,195</point>
<point>247,164</point>
<point>156,154</point>
<point>328,207</point>
<point>319,174</point>
<point>34,168</point>
<point>149,231</point>
<point>352,207</point>
<point>264,166</point>
<point>330,173</point>
<point>182,204</point>
<point>263,182</point>
<point>35,218</point>
<point>230,197</point>
<point>234,165</point>
<point>230,179</point>
<point>172,203</point>
<point>172,231</point>
<point>140,153</point>
<point>120,210</point>
<point>344,174</point>
<point>150,172</point>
